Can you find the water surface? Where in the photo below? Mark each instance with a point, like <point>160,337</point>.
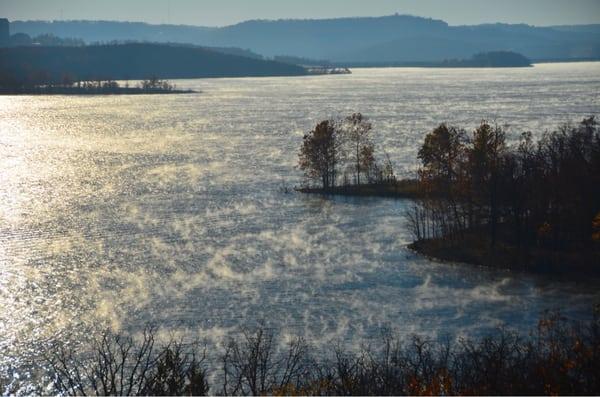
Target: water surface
<point>122,210</point>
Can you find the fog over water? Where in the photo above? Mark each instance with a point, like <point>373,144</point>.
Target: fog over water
<point>123,210</point>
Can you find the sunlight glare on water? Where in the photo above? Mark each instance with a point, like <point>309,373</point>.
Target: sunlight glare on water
<point>123,210</point>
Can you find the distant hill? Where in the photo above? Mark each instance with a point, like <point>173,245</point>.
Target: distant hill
<point>302,61</point>
<point>132,61</point>
<point>578,28</point>
<point>394,38</point>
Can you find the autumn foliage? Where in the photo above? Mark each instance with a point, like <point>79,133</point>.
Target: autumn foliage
<point>341,152</point>
<point>536,202</point>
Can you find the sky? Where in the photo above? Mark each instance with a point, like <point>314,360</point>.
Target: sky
<point>226,12</point>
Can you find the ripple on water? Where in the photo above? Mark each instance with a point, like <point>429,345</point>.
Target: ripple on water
<point>125,210</point>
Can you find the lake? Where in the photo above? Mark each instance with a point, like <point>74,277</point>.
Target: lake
<point>170,209</point>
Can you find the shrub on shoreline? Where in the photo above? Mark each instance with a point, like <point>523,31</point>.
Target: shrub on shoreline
<point>557,357</point>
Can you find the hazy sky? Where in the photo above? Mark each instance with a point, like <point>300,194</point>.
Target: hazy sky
<point>224,12</point>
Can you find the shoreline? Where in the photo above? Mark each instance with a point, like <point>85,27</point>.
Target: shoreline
<point>402,189</point>
<point>421,65</point>
<point>474,251</point>
<point>90,92</point>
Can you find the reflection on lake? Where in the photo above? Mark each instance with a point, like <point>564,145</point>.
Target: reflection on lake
<point>120,210</point>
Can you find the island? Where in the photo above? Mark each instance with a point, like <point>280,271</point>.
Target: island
<point>533,206</point>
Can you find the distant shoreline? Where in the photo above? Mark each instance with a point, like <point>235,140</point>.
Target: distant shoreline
<point>89,92</point>
<point>442,66</point>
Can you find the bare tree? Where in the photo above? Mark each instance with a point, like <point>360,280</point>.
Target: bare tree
<point>120,365</point>
<point>357,133</point>
<point>255,366</point>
